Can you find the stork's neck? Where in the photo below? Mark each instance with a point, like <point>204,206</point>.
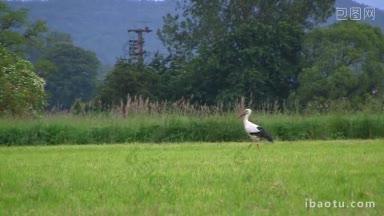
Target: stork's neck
<point>246,117</point>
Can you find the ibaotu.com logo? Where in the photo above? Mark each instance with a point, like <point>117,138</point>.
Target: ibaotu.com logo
<point>309,203</point>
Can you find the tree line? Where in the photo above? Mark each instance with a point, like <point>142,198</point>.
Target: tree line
<point>270,52</point>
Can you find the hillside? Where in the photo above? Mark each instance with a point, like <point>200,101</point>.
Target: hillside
<point>101,25</point>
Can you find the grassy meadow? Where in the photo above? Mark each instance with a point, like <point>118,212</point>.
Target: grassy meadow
<point>195,178</point>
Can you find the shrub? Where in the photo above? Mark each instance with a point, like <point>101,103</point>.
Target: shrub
<point>21,90</point>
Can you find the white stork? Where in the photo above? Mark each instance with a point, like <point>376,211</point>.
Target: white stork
<point>254,131</point>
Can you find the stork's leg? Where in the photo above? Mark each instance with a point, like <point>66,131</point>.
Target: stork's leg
<point>258,146</point>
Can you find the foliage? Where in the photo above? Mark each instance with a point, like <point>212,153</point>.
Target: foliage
<point>21,90</point>
<point>199,24</point>
<point>48,41</point>
<point>342,62</point>
<point>128,79</point>
<point>256,61</point>
<point>16,33</point>
<point>193,178</point>
<point>172,74</point>
<point>240,48</point>
<point>70,71</point>
<point>73,76</point>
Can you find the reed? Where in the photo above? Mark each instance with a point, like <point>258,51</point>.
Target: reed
<point>138,126</point>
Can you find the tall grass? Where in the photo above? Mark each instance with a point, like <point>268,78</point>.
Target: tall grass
<point>141,120</point>
<point>140,105</point>
<point>140,127</point>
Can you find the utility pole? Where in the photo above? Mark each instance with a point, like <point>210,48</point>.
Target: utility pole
<point>136,46</point>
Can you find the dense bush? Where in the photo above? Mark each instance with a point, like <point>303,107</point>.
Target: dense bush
<point>21,89</point>
<point>176,128</point>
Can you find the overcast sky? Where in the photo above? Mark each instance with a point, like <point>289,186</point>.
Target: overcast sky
<point>374,3</point>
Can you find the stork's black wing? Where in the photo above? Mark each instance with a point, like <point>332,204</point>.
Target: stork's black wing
<point>263,134</point>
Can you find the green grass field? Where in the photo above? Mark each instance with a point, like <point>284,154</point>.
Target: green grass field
<point>192,178</point>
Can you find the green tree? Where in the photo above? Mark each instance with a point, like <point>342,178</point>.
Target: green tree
<point>72,75</point>
<point>200,23</point>
<point>16,33</point>
<point>128,79</point>
<point>240,48</point>
<point>171,75</point>
<point>255,61</point>
<point>342,62</point>
<point>21,90</point>
<point>43,66</point>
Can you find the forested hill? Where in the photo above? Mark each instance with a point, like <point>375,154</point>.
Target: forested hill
<point>101,25</point>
